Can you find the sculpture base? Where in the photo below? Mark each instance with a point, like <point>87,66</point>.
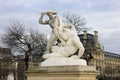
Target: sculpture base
<point>63,62</point>
<point>62,73</point>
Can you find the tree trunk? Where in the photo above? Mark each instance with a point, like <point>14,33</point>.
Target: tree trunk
<point>26,63</point>
<point>26,60</point>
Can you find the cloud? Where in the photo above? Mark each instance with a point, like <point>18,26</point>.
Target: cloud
<point>104,21</point>
<point>101,15</point>
<point>111,42</point>
<point>108,26</point>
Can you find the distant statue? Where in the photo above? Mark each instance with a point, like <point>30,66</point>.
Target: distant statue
<point>67,35</point>
<point>14,65</point>
<point>10,76</point>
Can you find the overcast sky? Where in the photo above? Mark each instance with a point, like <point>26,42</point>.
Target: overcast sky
<point>102,15</point>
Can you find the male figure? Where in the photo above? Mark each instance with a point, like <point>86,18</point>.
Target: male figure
<point>65,33</point>
<point>54,21</point>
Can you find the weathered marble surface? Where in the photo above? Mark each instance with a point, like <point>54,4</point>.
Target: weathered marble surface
<point>70,42</point>
<point>63,61</point>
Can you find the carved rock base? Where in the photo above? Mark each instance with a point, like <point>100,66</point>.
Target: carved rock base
<point>63,62</point>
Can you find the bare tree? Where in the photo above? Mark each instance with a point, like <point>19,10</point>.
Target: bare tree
<point>77,20</point>
<point>27,42</point>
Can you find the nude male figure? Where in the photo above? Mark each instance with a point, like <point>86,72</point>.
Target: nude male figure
<point>66,33</point>
<point>54,21</point>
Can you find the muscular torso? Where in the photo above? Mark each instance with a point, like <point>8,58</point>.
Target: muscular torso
<point>53,22</point>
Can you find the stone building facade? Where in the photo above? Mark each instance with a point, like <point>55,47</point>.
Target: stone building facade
<point>5,53</point>
<point>106,62</point>
<point>9,63</point>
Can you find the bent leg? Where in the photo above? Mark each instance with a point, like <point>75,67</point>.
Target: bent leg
<point>50,43</point>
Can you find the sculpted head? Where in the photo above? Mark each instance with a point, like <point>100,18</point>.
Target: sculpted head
<point>51,13</point>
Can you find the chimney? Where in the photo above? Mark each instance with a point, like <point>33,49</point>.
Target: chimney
<point>96,39</point>
<point>84,37</point>
<point>85,34</point>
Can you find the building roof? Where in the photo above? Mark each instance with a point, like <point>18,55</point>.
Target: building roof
<point>90,41</point>
<point>112,55</point>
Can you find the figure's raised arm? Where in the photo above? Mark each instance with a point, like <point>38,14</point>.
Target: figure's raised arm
<point>41,19</point>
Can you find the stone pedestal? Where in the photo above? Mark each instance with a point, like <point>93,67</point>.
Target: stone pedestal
<point>73,72</point>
